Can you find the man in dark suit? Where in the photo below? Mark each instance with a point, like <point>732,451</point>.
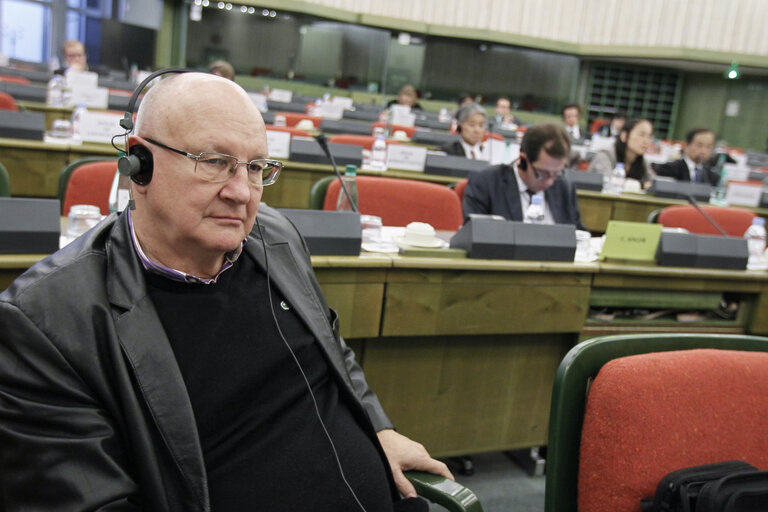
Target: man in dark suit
<point>571,114</point>
<point>507,190</point>
<point>694,166</point>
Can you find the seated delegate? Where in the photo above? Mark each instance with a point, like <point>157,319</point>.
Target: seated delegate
<point>471,127</point>
<point>507,190</point>
<point>696,164</point>
<point>633,142</point>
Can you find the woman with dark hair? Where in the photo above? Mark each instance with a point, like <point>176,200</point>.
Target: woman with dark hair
<point>633,142</point>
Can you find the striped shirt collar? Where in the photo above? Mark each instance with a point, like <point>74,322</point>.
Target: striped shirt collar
<point>178,275</point>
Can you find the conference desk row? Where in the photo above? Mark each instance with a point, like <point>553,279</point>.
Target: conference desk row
<point>34,168</point>
<point>463,352</point>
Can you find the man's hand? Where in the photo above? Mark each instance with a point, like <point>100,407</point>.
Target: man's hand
<point>404,454</point>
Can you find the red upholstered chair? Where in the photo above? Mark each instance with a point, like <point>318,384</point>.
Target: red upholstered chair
<point>489,135</point>
<point>627,410</point>
<point>293,118</point>
<point>90,183</point>
<point>399,201</point>
<point>409,130</point>
<point>364,141</point>
<point>597,124</point>
<point>459,188</point>
<point>7,102</point>
<point>734,221</point>
<point>14,79</point>
<point>293,131</point>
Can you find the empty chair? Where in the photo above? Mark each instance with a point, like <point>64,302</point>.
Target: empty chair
<point>627,410</point>
<point>87,182</point>
<point>7,102</point>
<point>460,187</point>
<point>399,201</point>
<point>14,79</point>
<point>734,221</point>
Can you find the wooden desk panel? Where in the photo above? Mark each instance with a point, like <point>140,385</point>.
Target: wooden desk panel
<point>33,167</point>
<point>467,394</point>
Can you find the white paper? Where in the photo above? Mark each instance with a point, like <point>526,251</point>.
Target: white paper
<point>260,100</point>
<point>405,157</point>
<point>97,97</point>
<point>743,194</point>
<point>736,172</point>
<point>330,110</point>
<point>401,114</point>
<point>282,95</point>
<point>84,79</point>
<point>342,101</point>
<point>99,126</point>
<point>599,143</point>
<point>501,152</point>
<point>278,143</point>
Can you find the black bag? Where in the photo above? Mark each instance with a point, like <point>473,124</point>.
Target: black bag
<point>679,490</point>
<point>739,492</point>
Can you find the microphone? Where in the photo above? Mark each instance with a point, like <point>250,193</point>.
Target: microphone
<point>322,141</point>
<point>706,215</point>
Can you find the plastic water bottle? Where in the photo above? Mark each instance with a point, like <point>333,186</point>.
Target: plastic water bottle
<point>342,203</point>
<point>534,214</point>
<point>618,176</point>
<point>54,95</point>
<point>379,153</point>
<point>719,192</point>
<point>77,116</point>
<point>755,235</point>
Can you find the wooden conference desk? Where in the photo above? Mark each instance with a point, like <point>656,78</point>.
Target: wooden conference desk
<point>463,353</point>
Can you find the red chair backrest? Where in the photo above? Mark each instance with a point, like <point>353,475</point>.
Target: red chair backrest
<point>489,135</point>
<point>399,201</point>
<point>648,415</point>
<point>90,184</point>
<point>7,102</point>
<point>364,141</point>
<point>409,130</point>
<point>293,118</point>
<point>459,188</point>
<point>597,124</point>
<point>292,131</point>
<point>734,221</point>
<point>14,79</point>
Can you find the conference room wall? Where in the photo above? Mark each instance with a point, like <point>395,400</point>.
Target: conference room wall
<point>704,100</point>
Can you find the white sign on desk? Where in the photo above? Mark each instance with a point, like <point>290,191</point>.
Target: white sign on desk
<point>82,79</point>
<point>501,152</point>
<point>743,193</point>
<point>96,97</point>
<point>99,126</point>
<point>278,143</point>
<point>344,102</point>
<point>281,95</point>
<point>330,110</point>
<point>407,158</point>
<point>401,114</point>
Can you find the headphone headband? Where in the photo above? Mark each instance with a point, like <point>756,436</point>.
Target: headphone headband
<point>127,120</point>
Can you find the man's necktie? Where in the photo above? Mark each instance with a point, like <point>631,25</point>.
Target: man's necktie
<point>698,172</point>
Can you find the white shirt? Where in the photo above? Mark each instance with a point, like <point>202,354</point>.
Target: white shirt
<point>574,131</point>
<point>691,167</point>
<point>525,199</point>
<point>478,151</point>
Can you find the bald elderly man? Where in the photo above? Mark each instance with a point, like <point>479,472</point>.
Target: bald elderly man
<point>178,358</point>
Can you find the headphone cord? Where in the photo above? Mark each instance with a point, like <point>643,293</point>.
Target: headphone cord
<point>301,370</point>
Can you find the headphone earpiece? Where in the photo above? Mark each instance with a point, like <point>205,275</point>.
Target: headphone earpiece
<point>137,165</point>
<point>523,163</point>
<point>458,128</point>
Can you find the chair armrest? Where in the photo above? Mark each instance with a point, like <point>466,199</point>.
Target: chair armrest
<point>446,493</point>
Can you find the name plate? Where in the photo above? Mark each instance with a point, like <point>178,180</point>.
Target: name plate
<point>281,95</point>
<point>631,241</point>
<point>99,126</point>
<point>278,143</point>
<point>95,97</point>
<point>500,152</point>
<point>408,158</point>
<point>743,193</point>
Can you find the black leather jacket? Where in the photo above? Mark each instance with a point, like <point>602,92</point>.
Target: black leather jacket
<point>94,414</point>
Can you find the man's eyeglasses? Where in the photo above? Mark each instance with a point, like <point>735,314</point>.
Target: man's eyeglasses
<point>218,167</point>
<point>541,174</point>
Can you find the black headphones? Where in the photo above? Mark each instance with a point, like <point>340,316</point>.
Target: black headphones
<point>137,163</point>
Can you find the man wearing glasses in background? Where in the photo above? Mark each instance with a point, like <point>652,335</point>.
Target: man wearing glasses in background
<point>180,356</point>
<point>507,190</point>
